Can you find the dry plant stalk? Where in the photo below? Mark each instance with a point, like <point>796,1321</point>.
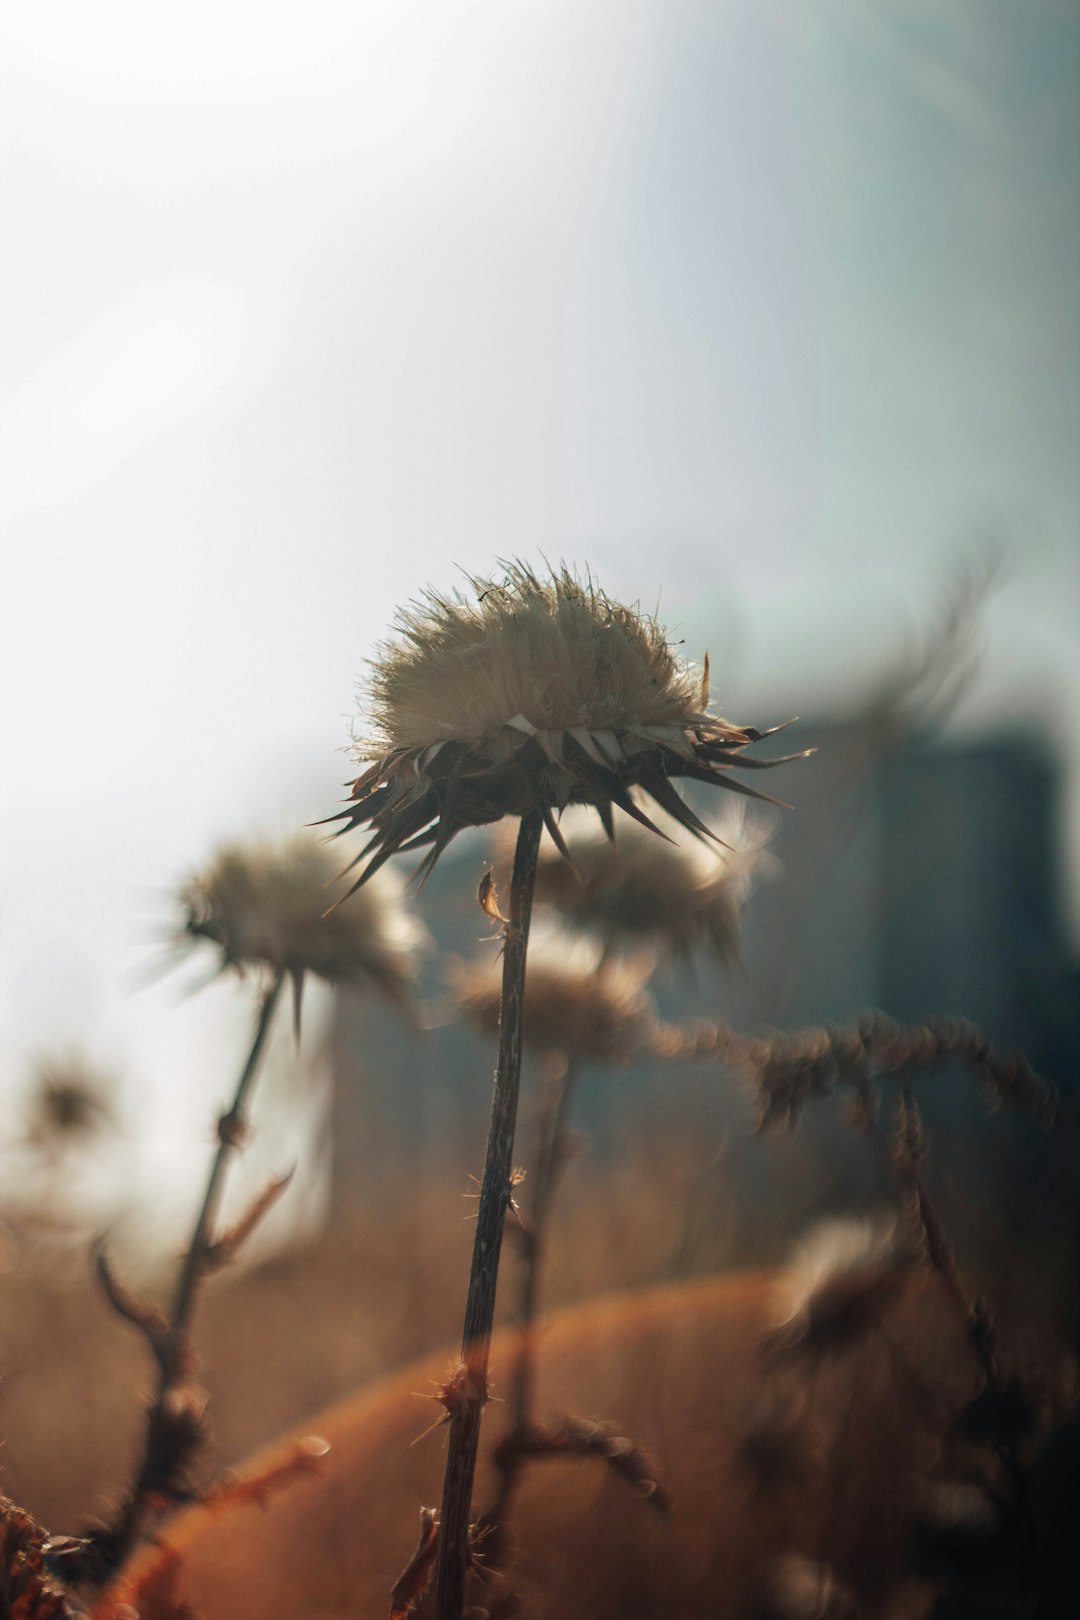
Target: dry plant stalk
<point>531,695</point>
<point>851,1271</point>
<point>532,1231</point>
<point>466,1392</point>
<point>261,909</point>
<point>415,1578</point>
<point>787,1069</point>
<point>906,1150</point>
<point>581,1006</point>
<point>176,1424</point>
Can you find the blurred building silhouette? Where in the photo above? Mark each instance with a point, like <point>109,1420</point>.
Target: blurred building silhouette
<point>920,878</point>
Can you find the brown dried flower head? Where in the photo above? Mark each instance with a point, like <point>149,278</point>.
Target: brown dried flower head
<point>569,1006</point>
<point>265,907</point>
<point>681,897</point>
<point>532,693</point>
<point>842,1277</point>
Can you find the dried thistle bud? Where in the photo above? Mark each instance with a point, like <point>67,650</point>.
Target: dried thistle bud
<point>842,1277</point>
<point>569,1006</point>
<point>272,907</point>
<point>681,897</point>
<point>531,694</point>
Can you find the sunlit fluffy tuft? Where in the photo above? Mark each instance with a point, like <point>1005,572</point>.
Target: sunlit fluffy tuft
<point>842,1276</point>
<point>569,1006</point>
<point>267,906</point>
<point>680,896</point>
<point>554,652</point>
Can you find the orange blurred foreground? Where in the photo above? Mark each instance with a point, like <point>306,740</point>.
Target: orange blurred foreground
<point>781,1466</point>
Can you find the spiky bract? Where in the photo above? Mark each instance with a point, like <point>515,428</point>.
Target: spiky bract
<point>266,906</point>
<point>530,693</point>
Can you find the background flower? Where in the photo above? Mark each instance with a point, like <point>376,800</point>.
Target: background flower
<point>270,906</point>
<point>681,896</point>
<point>570,1006</point>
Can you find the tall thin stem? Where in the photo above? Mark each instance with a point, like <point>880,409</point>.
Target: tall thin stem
<point>466,1392</point>
<point>231,1127</point>
<point>167,1442</point>
<point>550,1160</point>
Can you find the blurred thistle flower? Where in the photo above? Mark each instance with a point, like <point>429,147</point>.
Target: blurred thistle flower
<point>537,694</point>
<point>842,1277</point>
<point>569,1007</point>
<point>799,1589</point>
<point>68,1100</point>
<point>264,906</point>
<point>680,897</point>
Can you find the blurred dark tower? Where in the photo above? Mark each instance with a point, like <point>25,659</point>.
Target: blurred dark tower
<point>924,879</point>
<point>971,894</point>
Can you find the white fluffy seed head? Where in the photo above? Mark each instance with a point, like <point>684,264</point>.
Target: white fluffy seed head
<point>556,652</point>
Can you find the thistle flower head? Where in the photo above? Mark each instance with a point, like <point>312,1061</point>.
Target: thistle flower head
<point>68,1100</point>
<point>265,907</point>
<point>530,693</point>
<point>843,1275</point>
<point>679,896</point>
<point>569,1006</point>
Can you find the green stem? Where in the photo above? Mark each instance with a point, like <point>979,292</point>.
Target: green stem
<point>466,1392</point>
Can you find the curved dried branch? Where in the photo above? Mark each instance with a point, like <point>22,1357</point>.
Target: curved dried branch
<point>415,1578</point>
<point>788,1069</point>
<point>150,1321</point>
<point>586,1437</point>
<point>225,1248</point>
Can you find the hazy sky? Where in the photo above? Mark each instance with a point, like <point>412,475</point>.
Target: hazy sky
<point>761,308</point>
